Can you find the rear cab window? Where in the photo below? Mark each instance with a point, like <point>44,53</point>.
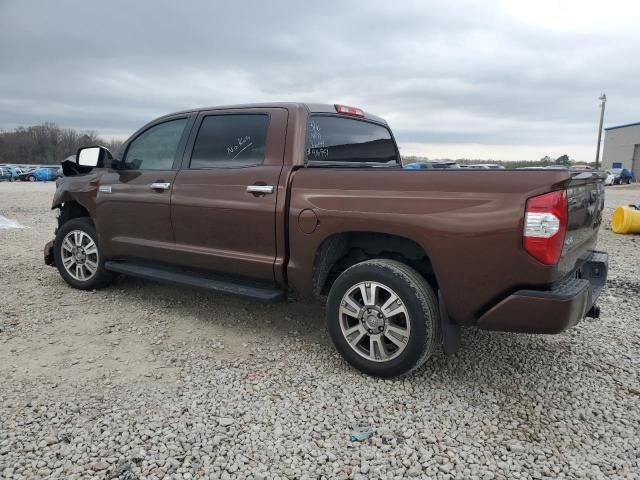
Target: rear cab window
<point>333,139</point>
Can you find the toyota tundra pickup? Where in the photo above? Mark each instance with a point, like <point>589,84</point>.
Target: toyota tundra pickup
<point>310,202</point>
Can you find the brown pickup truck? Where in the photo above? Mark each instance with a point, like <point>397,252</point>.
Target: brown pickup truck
<point>306,201</point>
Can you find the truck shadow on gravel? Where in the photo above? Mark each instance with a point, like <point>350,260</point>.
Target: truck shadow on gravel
<point>193,316</point>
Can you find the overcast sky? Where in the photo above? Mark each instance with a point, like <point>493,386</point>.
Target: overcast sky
<point>503,80</point>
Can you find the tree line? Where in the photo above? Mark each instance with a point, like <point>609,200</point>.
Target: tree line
<point>47,144</point>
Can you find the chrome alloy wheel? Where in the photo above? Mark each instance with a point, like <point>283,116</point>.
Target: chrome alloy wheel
<point>79,255</point>
<point>374,321</point>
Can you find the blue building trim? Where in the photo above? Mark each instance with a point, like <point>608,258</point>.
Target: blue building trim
<point>623,126</point>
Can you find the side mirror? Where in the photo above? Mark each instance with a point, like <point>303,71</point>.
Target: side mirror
<point>93,156</point>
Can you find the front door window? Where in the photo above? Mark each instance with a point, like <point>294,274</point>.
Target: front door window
<point>156,148</point>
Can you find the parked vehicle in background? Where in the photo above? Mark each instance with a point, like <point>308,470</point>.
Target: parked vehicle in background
<point>6,174</point>
<point>53,173</point>
<point>620,176</point>
<point>445,164</point>
<point>610,178</point>
<point>418,166</point>
<point>26,175</point>
<point>431,165</point>
<point>490,166</point>
<point>40,174</point>
<point>309,201</point>
<point>15,173</point>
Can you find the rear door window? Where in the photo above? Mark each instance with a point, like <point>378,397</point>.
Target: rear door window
<point>230,141</point>
<point>338,139</point>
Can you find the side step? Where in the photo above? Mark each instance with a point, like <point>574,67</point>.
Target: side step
<point>264,293</point>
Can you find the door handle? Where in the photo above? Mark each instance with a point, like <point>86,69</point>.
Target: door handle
<point>260,189</point>
<point>160,186</point>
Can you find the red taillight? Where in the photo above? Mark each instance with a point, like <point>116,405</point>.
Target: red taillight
<point>545,225</point>
<point>356,112</point>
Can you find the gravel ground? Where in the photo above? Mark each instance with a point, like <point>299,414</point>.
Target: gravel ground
<point>148,381</point>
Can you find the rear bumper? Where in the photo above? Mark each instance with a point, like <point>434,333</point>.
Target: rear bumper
<point>554,310</point>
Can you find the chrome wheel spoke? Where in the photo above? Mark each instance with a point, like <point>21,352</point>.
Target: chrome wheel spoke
<point>391,309</point>
<point>376,349</point>
<point>68,262</point>
<point>399,336</point>
<point>346,311</point>
<point>368,292</point>
<point>393,298</point>
<point>91,266</point>
<point>66,245</point>
<point>91,248</point>
<point>352,303</point>
<point>355,334</point>
<point>350,307</point>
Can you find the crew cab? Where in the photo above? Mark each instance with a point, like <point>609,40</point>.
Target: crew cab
<point>310,202</point>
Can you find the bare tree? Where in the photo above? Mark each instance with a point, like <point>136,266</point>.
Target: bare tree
<point>46,144</point>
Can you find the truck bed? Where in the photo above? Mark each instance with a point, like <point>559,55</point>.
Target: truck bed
<point>469,223</point>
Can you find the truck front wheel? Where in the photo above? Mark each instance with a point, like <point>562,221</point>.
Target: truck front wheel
<point>78,256</point>
<point>383,317</point>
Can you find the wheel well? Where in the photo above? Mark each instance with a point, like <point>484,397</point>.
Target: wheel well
<point>70,210</point>
<point>340,251</point>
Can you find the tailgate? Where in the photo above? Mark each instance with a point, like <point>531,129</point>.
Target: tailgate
<point>585,196</point>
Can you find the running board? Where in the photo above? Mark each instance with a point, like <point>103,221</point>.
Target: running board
<point>264,293</point>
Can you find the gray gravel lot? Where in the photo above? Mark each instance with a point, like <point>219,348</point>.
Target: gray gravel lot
<point>148,381</point>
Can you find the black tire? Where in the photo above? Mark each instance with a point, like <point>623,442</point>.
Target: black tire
<point>416,296</point>
<point>12,179</point>
<point>101,278</point>
<point>32,178</point>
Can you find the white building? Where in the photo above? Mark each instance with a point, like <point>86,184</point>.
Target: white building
<point>622,148</point>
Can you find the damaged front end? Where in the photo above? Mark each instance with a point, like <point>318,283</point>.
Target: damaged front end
<point>75,194</point>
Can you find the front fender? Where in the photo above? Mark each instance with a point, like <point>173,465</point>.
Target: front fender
<point>82,189</point>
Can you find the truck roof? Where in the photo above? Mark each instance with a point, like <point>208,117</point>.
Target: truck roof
<point>310,107</point>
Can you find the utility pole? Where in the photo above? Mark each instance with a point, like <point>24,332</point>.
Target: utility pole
<point>603,100</point>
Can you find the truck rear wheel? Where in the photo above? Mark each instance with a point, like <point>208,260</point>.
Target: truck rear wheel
<point>383,317</point>
<point>78,256</point>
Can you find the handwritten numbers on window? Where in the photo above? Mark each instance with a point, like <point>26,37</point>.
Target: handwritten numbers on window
<point>317,148</point>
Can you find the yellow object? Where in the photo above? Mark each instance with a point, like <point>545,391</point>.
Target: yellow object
<point>626,220</point>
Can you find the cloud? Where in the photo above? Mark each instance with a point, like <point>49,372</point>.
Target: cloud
<point>514,78</point>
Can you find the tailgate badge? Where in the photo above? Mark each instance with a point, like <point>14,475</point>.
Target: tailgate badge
<point>568,242</point>
<point>104,189</point>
